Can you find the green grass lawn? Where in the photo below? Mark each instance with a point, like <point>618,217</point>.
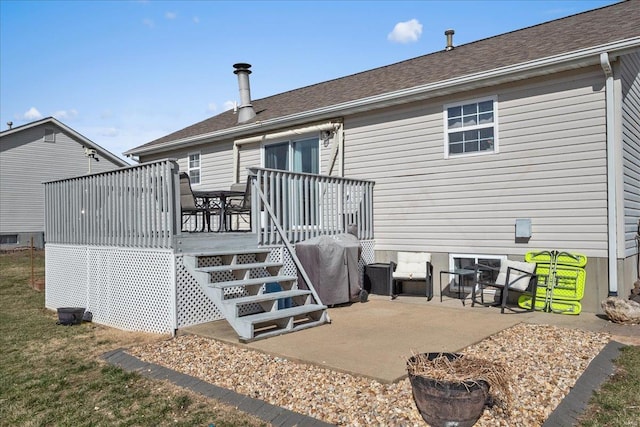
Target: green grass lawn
<point>52,375</point>
<point>617,403</point>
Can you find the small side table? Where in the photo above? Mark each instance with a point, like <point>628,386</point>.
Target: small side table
<point>378,279</point>
<point>461,273</point>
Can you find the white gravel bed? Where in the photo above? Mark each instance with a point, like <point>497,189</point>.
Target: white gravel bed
<point>544,362</point>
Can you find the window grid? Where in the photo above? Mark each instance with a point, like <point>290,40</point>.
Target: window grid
<point>470,260</point>
<point>9,239</point>
<point>470,127</point>
<point>194,168</point>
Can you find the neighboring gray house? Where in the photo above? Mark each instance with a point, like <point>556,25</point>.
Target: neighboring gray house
<point>34,153</point>
<point>540,124</point>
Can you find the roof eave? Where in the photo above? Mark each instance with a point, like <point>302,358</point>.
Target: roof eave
<point>553,64</point>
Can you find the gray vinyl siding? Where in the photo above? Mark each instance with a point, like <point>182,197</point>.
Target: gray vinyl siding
<point>26,161</point>
<point>250,156</point>
<point>630,79</point>
<point>551,167</point>
<point>216,164</point>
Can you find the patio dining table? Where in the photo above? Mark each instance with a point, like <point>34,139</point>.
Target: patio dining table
<point>217,200</point>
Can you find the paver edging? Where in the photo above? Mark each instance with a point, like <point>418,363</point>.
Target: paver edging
<point>566,413</point>
<point>575,403</point>
<point>267,412</point>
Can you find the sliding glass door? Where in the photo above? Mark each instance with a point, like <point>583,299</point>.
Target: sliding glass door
<point>305,154</point>
<point>298,201</point>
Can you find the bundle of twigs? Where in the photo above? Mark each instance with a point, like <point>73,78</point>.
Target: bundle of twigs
<point>464,370</point>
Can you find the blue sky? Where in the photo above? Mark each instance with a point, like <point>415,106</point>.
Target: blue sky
<point>123,73</point>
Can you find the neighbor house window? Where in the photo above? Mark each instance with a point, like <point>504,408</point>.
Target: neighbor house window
<point>471,127</point>
<point>9,239</point>
<point>194,168</point>
<point>49,135</point>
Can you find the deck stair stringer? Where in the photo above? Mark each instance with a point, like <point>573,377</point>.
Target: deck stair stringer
<point>253,293</point>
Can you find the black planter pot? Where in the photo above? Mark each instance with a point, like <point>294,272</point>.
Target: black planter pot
<point>70,315</point>
<point>446,404</point>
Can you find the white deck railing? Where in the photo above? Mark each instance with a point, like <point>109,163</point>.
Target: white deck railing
<point>139,207</point>
<point>306,205</point>
<point>136,206</point>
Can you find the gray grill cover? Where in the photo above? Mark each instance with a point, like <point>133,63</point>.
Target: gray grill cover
<point>332,266</point>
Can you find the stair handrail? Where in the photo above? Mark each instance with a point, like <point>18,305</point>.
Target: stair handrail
<point>258,191</point>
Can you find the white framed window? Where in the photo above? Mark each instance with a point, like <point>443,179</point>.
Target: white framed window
<point>193,168</point>
<point>471,127</point>
<point>49,135</point>
<point>9,239</point>
<point>468,261</point>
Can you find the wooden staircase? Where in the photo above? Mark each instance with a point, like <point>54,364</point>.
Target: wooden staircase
<point>254,295</point>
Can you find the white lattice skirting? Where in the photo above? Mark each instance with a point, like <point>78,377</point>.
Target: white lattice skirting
<point>139,289</point>
<point>129,289</point>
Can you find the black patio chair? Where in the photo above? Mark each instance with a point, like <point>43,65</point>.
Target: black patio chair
<point>239,206</point>
<point>189,207</point>
<point>512,276</point>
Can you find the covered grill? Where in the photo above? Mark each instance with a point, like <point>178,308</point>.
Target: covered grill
<point>331,262</point>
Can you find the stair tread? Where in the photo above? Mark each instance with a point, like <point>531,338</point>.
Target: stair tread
<point>276,332</point>
<point>246,266</point>
<point>281,314</point>
<point>268,296</point>
<point>241,251</point>
<point>254,281</point>
<point>259,325</point>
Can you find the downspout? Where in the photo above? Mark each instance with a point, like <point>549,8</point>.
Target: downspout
<point>341,151</point>
<point>611,179</point>
<point>236,163</point>
<point>336,148</point>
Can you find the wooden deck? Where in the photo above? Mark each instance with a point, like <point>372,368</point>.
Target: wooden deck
<point>204,242</point>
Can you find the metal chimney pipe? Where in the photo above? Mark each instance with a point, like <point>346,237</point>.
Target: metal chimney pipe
<point>245,110</point>
<point>449,34</point>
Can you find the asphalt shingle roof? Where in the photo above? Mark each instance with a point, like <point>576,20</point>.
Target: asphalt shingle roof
<point>593,28</point>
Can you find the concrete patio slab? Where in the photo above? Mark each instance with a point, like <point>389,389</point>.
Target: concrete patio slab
<point>375,338</point>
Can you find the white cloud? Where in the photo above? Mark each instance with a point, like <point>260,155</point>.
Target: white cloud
<point>227,105</point>
<point>196,20</point>
<point>148,23</point>
<point>108,132</point>
<point>170,15</point>
<point>106,114</point>
<point>405,32</point>
<point>66,114</point>
<point>32,114</point>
